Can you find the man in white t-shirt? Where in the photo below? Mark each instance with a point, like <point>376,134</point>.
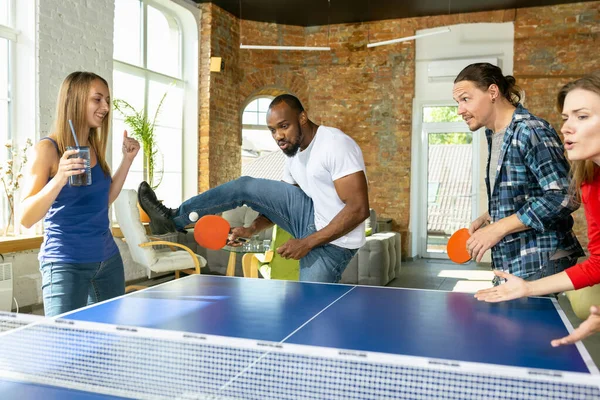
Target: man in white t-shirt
<point>323,201</point>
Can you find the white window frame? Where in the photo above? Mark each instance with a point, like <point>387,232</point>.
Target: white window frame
<point>254,127</point>
<point>188,19</point>
<point>9,33</point>
<point>419,168</point>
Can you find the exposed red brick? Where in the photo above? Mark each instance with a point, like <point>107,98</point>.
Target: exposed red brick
<point>368,92</point>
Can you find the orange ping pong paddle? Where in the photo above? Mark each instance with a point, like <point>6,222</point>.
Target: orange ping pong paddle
<point>211,232</point>
<point>457,246</point>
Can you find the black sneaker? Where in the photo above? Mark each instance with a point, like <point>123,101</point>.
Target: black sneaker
<point>161,217</point>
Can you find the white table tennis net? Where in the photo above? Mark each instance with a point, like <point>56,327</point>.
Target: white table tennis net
<point>155,364</point>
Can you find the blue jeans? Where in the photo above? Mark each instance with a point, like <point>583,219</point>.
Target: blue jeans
<point>283,204</point>
<point>67,287</point>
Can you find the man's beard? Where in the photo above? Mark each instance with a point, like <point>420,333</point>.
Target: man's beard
<point>293,148</point>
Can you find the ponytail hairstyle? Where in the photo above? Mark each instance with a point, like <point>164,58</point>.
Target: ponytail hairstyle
<point>582,171</point>
<point>485,74</point>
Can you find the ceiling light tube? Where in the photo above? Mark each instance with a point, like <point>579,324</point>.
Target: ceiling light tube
<point>298,48</point>
<point>404,39</point>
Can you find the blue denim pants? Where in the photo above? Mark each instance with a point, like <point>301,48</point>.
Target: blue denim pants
<point>67,287</point>
<point>285,205</point>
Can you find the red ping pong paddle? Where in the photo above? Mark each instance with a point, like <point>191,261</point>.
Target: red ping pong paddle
<point>211,232</point>
<point>457,246</point>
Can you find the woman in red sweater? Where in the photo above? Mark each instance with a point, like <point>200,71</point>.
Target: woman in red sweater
<point>580,105</point>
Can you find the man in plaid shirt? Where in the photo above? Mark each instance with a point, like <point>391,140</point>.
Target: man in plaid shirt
<point>527,180</point>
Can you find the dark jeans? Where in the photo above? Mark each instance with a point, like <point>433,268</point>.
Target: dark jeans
<point>553,267</point>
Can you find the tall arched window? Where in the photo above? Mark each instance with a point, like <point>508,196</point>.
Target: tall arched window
<point>148,65</point>
<point>256,137</point>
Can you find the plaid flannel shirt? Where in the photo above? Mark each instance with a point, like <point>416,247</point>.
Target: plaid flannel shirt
<point>532,181</point>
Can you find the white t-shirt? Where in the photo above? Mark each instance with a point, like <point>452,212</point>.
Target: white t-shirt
<point>330,156</point>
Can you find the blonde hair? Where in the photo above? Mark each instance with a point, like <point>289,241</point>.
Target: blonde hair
<point>71,104</point>
<point>582,171</point>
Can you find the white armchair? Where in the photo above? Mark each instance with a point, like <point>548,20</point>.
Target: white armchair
<point>143,249</point>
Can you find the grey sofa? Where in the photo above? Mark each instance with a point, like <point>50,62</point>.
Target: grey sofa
<point>377,262</point>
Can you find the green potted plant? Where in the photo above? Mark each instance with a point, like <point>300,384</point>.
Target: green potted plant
<point>142,129</point>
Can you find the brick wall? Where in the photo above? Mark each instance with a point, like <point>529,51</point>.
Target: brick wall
<point>72,35</point>
<point>368,92</point>
<point>220,116</point>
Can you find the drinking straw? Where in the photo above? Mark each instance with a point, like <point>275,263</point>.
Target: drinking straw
<point>73,132</point>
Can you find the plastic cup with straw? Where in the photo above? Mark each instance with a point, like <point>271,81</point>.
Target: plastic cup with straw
<point>85,178</point>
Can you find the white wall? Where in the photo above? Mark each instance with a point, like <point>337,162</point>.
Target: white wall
<point>73,35</point>
<point>463,42</point>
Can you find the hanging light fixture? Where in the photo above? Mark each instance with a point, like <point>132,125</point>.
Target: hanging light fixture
<point>292,48</point>
<point>301,48</point>
<point>407,38</point>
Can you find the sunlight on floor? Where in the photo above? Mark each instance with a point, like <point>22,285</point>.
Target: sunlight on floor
<point>471,286</point>
<point>470,280</point>
<point>467,274</point>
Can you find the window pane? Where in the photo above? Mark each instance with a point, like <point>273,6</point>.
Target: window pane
<point>449,194</point>
<point>249,118</point>
<point>169,139</point>
<point>169,164</point>
<point>128,28</point>
<point>170,189</point>
<point>129,88</point>
<point>262,118</point>
<point>4,12</point>
<point>4,93</point>
<point>171,111</point>
<point>263,104</point>
<point>441,114</point>
<point>252,106</point>
<point>163,43</point>
<point>117,153</point>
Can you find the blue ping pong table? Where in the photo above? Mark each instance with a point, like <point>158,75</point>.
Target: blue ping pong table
<point>234,338</point>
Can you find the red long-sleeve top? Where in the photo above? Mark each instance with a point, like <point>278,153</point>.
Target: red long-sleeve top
<point>587,273</point>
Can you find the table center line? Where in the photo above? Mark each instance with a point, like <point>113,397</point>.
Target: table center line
<point>253,363</point>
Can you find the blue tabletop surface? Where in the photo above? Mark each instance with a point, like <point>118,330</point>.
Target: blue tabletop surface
<point>431,324</point>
